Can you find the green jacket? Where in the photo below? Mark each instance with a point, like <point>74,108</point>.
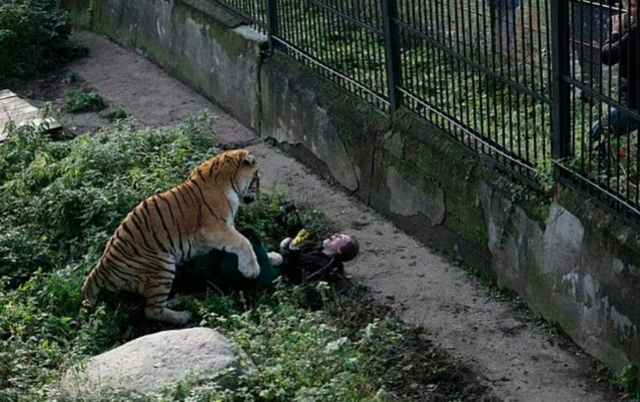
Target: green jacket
<point>221,269</point>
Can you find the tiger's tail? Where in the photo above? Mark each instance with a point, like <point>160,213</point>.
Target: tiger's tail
<point>91,288</point>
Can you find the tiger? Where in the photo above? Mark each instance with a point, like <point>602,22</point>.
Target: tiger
<point>170,228</point>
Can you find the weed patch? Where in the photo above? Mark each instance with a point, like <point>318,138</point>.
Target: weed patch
<point>114,114</point>
<point>83,101</point>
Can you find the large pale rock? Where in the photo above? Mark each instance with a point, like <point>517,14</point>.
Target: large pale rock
<point>152,363</point>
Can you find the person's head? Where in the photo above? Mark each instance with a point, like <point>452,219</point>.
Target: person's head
<point>342,247</point>
<point>633,10</point>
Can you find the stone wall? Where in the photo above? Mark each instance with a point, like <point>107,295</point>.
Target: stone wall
<point>566,256</point>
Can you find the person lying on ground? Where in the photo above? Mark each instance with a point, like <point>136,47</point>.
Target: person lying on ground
<point>298,260</point>
<point>308,262</point>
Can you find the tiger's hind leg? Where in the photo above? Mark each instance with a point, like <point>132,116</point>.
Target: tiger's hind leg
<point>164,314</point>
<point>174,302</point>
<point>157,305</point>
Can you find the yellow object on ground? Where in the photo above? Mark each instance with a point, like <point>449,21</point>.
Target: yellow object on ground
<point>301,238</point>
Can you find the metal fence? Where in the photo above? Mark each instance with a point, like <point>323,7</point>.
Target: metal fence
<point>529,84</point>
<point>601,152</point>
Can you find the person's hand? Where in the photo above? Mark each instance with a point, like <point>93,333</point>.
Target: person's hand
<point>275,259</point>
<point>616,23</point>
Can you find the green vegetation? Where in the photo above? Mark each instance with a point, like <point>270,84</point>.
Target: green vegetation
<point>84,101</point>
<point>73,78</point>
<point>626,381</point>
<point>114,113</point>
<point>33,36</point>
<point>60,203</point>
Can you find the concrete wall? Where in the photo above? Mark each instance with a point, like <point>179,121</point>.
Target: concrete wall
<point>567,257</point>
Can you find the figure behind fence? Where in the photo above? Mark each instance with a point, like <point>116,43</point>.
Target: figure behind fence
<point>503,24</point>
<point>590,24</point>
<point>622,49</point>
<point>482,72</point>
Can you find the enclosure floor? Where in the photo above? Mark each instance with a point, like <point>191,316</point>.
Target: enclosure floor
<point>519,360</point>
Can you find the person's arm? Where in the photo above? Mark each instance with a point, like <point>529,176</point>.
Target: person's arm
<point>284,246</point>
<point>616,45</point>
<point>610,53</point>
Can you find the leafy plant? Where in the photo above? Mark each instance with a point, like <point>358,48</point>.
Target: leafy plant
<point>34,35</point>
<point>627,379</point>
<point>545,174</point>
<point>83,101</point>
<point>73,77</point>
<point>114,113</point>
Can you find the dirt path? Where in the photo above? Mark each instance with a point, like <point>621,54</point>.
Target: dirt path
<point>519,360</point>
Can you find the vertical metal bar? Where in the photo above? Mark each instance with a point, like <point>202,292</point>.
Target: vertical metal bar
<point>392,48</point>
<point>272,23</point>
<point>561,91</point>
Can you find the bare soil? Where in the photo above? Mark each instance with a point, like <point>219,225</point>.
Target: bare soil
<point>503,356</point>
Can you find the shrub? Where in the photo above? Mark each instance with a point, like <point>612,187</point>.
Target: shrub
<point>114,113</point>
<point>83,101</point>
<point>33,36</point>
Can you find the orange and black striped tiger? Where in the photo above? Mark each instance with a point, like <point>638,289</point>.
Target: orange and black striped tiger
<point>170,228</point>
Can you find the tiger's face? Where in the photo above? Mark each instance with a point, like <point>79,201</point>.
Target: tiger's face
<point>248,180</point>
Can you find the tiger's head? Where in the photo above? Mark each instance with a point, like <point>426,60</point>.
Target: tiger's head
<point>237,169</point>
<point>247,179</point>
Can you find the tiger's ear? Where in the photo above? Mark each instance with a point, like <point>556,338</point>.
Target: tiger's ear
<point>250,159</point>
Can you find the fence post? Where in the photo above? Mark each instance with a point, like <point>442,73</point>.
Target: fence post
<point>561,56</point>
<point>272,23</point>
<point>392,51</point>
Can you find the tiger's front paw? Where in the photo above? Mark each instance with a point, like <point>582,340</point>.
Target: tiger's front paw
<point>250,269</point>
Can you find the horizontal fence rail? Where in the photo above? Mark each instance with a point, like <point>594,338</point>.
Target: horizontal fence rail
<point>538,86</point>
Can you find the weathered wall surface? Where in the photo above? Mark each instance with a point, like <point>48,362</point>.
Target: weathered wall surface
<point>566,256</point>
<point>194,40</point>
<point>300,110</point>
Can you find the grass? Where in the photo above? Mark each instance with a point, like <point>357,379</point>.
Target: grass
<point>625,382</point>
<point>82,101</point>
<point>114,114</point>
<point>73,78</point>
<point>60,203</point>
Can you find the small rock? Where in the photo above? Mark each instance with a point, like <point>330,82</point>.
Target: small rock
<point>151,363</point>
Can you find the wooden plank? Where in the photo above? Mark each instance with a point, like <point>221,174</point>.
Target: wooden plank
<point>49,124</point>
<point>13,108</point>
<point>5,93</point>
<point>8,104</point>
<point>11,114</point>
